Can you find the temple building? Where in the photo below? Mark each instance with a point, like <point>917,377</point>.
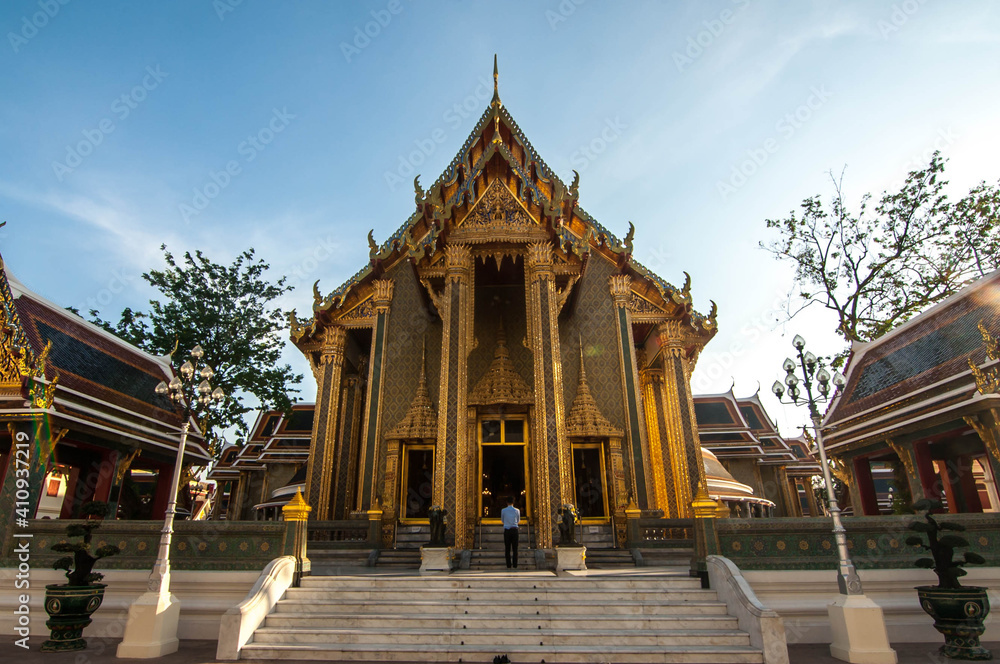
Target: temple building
<point>921,409</point>
<point>769,475</point>
<point>83,419</point>
<point>502,342</point>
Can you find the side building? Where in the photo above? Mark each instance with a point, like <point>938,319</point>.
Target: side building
<point>82,416</point>
<point>919,413</point>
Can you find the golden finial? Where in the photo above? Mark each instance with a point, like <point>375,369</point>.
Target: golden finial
<point>496,104</point>
<point>423,360</point>
<point>496,81</point>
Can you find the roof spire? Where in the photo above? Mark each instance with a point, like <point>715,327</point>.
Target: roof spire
<point>496,81</point>
<point>423,361</point>
<point>496,104</point>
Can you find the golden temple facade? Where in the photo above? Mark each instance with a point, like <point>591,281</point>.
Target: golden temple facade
<point>502,343</point>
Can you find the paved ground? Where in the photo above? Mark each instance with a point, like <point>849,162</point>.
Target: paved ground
<point>101,651</point>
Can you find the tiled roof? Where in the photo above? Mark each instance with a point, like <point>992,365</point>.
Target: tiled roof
<point>713,413</point>
<point>89,359</point>
<point>930,348</point>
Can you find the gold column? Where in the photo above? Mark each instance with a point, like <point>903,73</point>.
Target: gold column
<point>319,472</point>
<point>638,445</point>
<point>368,494</point>
<point>390,490</point>
<point>651,380</point>
<point>678,407</point>
<point>452,457</point>
<point>346,462</point>
<point>554,485</point>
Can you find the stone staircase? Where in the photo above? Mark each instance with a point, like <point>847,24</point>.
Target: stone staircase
<point>617,616</point>
<point>488,551</point>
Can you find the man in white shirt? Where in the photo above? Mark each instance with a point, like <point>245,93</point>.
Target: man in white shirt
<point>511,517</point>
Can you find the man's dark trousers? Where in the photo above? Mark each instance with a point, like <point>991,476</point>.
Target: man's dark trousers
<point>509,544</point>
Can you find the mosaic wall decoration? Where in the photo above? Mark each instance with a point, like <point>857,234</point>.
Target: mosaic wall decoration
<point>593,318</point>
<point>196,545</point>
<point>873,542</point>
<point>409,325</point>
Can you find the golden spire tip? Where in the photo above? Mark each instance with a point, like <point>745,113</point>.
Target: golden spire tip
<point>496,80</point>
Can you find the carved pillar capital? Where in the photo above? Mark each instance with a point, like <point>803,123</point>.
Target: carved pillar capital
<point>383,295</point>
<point>458,261</point>
<point>332,350</point>
<point>651,376</point>
<point>678,339</point>
<point>621,287</point>
<point>539,261</point>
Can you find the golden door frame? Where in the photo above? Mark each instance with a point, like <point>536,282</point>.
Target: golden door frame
<point>405,449</point>
<point>603,474</point>
<point>480,418</point>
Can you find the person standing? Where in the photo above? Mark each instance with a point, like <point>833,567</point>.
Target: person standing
<point>511,517</point>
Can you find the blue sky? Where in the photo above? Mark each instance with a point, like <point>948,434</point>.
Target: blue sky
<point>285,127</point>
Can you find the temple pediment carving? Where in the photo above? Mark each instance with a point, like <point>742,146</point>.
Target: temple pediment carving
<point>498,215</point>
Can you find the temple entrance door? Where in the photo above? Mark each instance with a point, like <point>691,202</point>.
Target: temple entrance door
<point>588,482</point>
<point>418,482</point>
<point>503,465</point>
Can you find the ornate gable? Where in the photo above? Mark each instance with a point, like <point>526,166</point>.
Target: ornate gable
<point>498,214</point>
<point>20,368</point>
<point>498,191</point>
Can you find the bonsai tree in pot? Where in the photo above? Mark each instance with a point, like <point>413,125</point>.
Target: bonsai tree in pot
<point>95,509</point>
<point>71,604</point>
<point>958,611</point>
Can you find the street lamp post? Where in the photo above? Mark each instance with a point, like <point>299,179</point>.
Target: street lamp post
<point>856,622</point>
<point>151,630</point>
<point>815,376</point>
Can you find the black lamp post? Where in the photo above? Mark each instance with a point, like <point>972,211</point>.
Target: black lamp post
<point>815,376</point>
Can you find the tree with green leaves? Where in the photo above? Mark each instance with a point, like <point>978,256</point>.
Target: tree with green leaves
<point>876,266</point>
<point>229,311</point>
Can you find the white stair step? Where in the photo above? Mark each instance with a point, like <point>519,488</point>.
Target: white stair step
<point>501,595</point>
<point>507,637</point>
<point>392,652</point>
<point>566,608</point>
<point>507,580</point>
<point>511,621</point>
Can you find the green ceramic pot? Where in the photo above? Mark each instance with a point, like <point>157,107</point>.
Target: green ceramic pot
<point>69,609</point>
<point>958,614</point>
